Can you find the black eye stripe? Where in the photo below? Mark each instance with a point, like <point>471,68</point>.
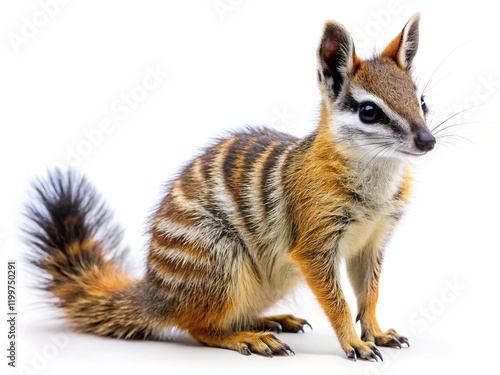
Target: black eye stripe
<point>396,128</point>
<point>349,103</point>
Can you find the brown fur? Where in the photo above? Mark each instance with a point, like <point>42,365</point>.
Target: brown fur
<point>385,79</point>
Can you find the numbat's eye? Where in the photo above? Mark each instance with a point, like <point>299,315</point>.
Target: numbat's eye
<point>423,105</point>
<point>370,113</point>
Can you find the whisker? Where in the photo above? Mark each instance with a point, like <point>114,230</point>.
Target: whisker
<point>370,151</point>
<point>375,156</point>
<point>456,136</point>
<point>391,152</point>
<point>448,143</point>
<point>382,141</point>
<point>424,92</point>
<point>441,64</point>
<point>460,124</point>
<point>454,115</point>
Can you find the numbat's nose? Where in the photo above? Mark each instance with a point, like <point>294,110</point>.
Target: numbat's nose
<point>425,141</point>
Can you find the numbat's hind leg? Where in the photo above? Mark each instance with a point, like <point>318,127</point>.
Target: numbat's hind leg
<point>264,343</point>
<point>281,323</point>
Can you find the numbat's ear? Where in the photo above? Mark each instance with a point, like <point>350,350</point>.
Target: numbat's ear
<point>337,59</point>
<point>404,47</point>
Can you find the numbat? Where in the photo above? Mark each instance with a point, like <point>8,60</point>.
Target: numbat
<point>252,216</point>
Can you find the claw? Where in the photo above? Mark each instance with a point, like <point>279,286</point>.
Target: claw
<point>352,355</point>
<point>285,351</point>
<point>268,353</point>
<point>272,326</point>
<point>377,353</point>
<point>307,324</point>
<point>245,351</point>
<point>404,340</point>
<point>394,343</point>
<point>299,326</point>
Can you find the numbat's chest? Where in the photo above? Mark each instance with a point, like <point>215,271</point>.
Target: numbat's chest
<point>365,235</point>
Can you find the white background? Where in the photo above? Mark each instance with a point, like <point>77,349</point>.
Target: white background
<point>65,70</point>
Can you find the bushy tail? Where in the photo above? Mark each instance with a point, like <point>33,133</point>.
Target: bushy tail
<point>73,241</point>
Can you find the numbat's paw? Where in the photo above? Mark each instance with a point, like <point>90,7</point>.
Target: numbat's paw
<point>390,338</point>
<point>281,323</point>
<point>263,343</point>
<point>363,350</point>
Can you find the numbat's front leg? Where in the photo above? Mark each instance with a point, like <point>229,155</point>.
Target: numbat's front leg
<point>364,272</point>
<point>321,273</point>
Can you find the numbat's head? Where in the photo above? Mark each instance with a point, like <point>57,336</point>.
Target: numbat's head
<point>372,106</point>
